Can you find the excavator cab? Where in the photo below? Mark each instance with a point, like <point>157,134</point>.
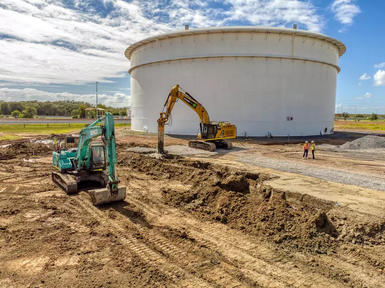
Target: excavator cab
<point>98,156</point>
<point>208,131</point>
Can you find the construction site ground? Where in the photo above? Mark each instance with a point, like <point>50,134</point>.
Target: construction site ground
<point>256,216</point>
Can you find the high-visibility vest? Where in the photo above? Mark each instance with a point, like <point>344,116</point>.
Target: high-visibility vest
<point>313,146</point>
<point>306,146</point>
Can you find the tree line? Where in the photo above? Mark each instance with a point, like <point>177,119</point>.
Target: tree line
<point>74,109</point>
<point>358,117</point>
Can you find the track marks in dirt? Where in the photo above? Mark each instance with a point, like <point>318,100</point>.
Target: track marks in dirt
<point>141,249</point>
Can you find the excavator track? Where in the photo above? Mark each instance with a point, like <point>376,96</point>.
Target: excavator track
<point>66,182</point>
<point>208,146</point>
<point>223,144</point>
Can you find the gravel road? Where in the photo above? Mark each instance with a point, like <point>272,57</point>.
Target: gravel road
<point>330,174</point>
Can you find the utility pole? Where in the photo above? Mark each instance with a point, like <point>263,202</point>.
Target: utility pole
<point>96,100</point>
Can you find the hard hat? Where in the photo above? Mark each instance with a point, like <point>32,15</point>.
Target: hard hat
<point>312,141</point>
<point>306,141</point>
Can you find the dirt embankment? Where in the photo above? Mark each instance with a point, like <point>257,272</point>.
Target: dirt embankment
<point>23,149</point>
<point>242,201</point>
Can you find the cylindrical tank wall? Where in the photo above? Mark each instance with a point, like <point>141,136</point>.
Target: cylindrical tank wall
<point>264,84</point>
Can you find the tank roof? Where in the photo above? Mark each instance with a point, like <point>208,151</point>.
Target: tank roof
<point>241,29</point>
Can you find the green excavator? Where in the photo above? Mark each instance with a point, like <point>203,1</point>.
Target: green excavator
<point>89,162</point>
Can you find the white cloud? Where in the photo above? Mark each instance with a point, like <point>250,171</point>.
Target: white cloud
<point>275,13</point>
<point>380,65</point>
<point>379,78</point>
<point>345,10</point>
<point>364,109</point>
<point>72,42</point>
<point>365,77</point>
<point>116,99</point>
<point>367,95</point>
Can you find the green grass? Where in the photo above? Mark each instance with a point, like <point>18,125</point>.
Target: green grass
<point>9,137</point>
<point>369,126</point>
<point>15,131</point>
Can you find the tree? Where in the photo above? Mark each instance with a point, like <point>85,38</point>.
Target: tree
<point>82,111</point>
<point>345,115</point>
<point>359,117</point>
<point>123,112</point>
<point>16,114</point>
<point>373,116</point>
<point>29,112</point>
<point>75,113</point>
<point>4,108</point>
<point>16,106</point>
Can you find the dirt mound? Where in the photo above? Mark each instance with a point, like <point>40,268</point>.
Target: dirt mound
<point>24,149</point>
<point>367,142</point>
<point>369,233</point>
<point>263,212</point>
<point>237,183</point>
<point>242,201</point>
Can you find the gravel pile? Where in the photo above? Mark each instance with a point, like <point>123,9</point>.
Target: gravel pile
<point>367,142</point>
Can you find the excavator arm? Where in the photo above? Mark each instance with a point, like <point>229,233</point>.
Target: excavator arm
<point>177,93</point>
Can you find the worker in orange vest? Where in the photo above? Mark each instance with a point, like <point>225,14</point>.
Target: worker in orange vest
<point>305,150</point>
<point>312,147</point>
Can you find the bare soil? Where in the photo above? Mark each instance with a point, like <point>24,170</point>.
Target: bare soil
<point>186,222</point>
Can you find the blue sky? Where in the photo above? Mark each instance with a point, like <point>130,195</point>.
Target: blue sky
<point>57,49</point>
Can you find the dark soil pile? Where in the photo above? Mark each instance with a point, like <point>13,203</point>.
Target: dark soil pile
<point>242,201</point>
<point>24,149</point>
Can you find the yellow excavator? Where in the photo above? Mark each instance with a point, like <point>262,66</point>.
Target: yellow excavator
<point>212,134</point>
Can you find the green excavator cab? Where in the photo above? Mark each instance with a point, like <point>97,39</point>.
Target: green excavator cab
<point>98,156</point>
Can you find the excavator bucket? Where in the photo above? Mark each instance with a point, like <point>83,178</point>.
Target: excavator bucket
<point>104,196</point>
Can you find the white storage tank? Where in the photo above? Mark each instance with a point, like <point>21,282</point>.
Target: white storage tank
<point>267,81</point>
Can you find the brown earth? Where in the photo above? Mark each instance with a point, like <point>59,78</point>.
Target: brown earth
<point>184,223</point>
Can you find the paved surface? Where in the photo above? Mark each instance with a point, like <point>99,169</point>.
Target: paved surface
<point>330,174</point>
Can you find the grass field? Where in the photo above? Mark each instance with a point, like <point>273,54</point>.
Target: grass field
<point>16,131</point>
<point>363,125</point>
